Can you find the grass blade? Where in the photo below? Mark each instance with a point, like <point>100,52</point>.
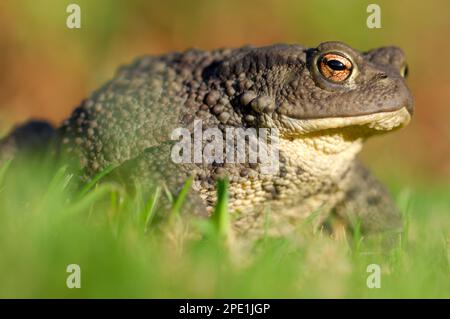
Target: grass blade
<point>92,197</point>
<point>150,209</point>
<point>96,178</point>
<point>181,197</point>
<point>3,169</point>
<point>221,218</point>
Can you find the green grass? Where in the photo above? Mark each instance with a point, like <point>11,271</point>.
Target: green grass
<point>48,221</point>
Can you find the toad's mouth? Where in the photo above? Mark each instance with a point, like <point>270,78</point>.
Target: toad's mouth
<point>370,123</point>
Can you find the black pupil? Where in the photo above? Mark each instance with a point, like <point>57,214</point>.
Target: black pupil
<point>336,65</point>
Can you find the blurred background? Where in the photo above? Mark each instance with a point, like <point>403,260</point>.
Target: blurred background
<point>47,69</point>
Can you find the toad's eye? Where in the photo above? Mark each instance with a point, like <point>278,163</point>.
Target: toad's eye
<point>335,67</point>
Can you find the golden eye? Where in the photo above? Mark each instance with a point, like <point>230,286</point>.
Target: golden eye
<point>335,67</point>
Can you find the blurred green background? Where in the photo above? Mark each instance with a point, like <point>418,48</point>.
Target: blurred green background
<point>47,69</point>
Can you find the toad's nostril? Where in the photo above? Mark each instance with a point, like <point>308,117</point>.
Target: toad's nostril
<point>404,71</point>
